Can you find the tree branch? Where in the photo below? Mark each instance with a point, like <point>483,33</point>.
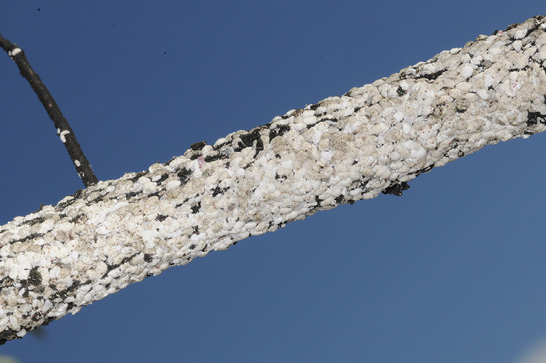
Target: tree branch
<point>373,139</point>
<point>65,132</point>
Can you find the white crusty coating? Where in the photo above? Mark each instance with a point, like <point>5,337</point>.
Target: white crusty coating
<point>373,139</point>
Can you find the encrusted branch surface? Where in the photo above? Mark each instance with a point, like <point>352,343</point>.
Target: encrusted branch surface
<point>373,139</point>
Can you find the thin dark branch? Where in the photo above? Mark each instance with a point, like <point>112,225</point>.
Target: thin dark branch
<point>64,130</point>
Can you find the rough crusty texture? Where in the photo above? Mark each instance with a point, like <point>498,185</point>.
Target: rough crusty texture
<point>373,139</point>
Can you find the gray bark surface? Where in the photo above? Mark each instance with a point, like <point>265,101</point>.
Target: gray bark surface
<point>373,139</point>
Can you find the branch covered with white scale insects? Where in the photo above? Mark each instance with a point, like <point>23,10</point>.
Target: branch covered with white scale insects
<point>371,140</point>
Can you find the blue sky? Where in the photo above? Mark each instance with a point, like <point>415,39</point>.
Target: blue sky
<point>453,271</point>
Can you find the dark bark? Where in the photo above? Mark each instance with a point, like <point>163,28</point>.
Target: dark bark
<point>62,126</point>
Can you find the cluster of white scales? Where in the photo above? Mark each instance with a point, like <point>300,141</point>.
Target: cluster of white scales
<point>371,140</point>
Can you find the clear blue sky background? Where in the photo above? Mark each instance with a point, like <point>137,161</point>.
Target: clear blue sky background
<point>453,271</point>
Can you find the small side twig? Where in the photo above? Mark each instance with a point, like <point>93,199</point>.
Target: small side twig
<point>64,130</point>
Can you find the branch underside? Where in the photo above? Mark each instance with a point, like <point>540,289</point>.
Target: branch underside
<point>373,139</point>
